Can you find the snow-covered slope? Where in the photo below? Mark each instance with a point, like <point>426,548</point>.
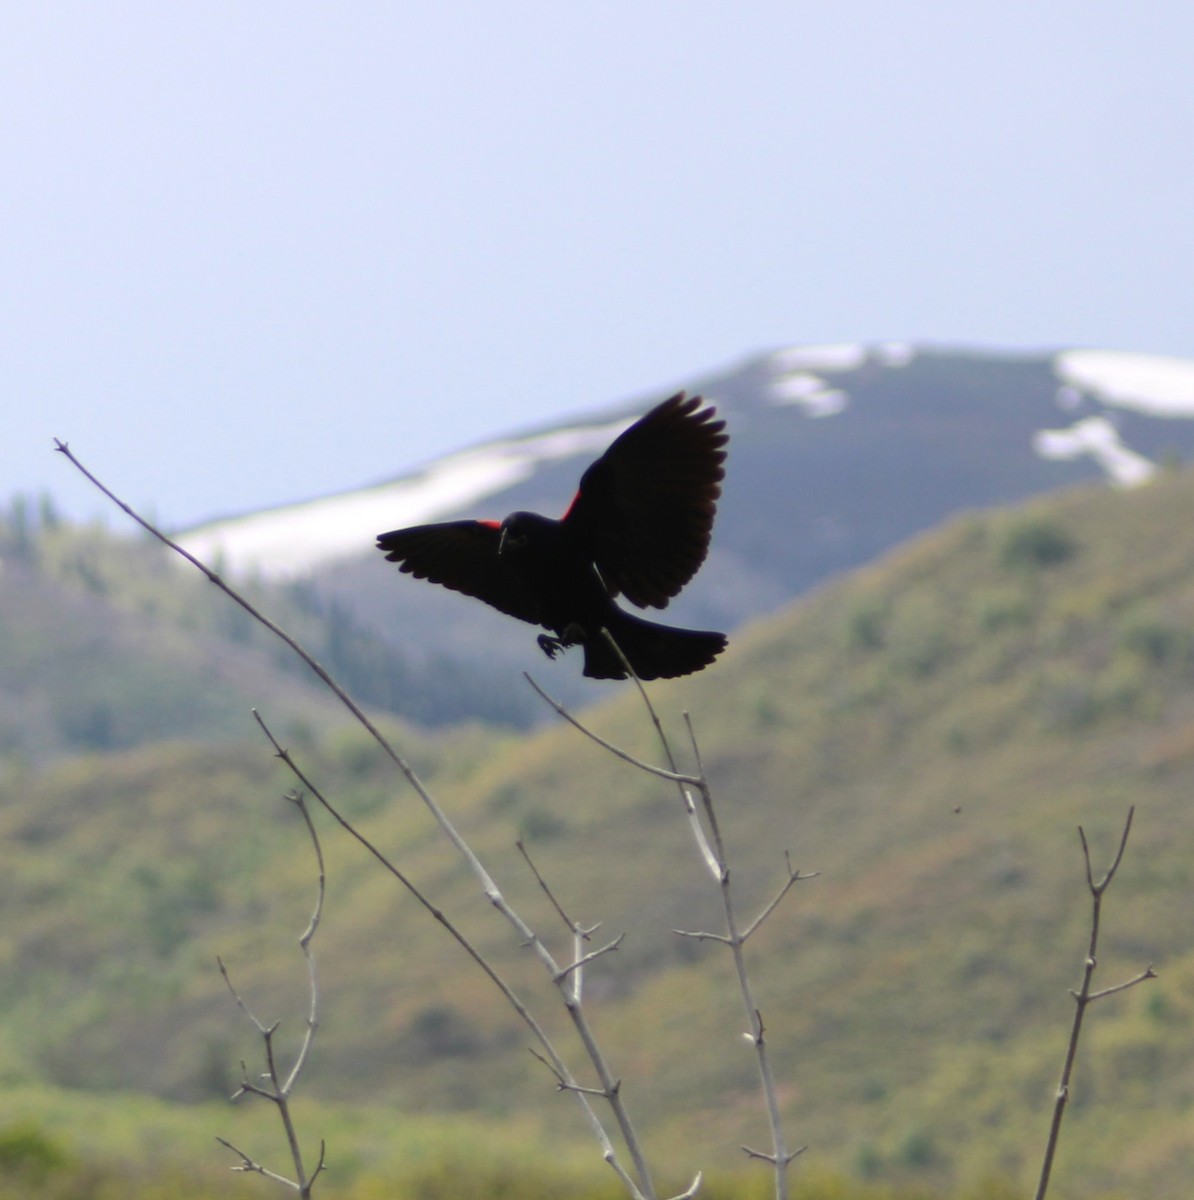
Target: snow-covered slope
<point>1146,383</point>
<point>1086,411</point>
<point>284,542</point>
<point>1149,383</point>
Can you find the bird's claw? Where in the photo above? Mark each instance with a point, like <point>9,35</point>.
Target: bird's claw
<point>550,646</point>
<point>573,635</point>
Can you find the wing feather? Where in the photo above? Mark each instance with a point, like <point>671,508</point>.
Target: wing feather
<point>645,508</point>
<point>462,556</point>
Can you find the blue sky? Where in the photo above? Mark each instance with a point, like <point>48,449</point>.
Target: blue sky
<point>254,252</point>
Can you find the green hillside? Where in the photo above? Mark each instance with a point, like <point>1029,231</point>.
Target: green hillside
<point>109,642</point>
<point>926,734</point>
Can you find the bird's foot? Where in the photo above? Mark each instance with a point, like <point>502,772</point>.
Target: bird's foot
<point>550,646</point>
<point>571,635</point>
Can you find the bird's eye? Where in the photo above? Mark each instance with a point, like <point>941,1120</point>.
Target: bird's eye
<point>510,540</point>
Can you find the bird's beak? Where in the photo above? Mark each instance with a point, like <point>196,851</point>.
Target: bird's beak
<point>502,540</point>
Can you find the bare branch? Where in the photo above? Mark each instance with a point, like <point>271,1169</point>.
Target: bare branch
<point>573,928</point>
<point>531,939</point>
<point>561,1082</point>
<point>794,877</point>
<point>296,798</point>
<point>684,782</point>
<point>249,1164</point>
<point>1084,996</point>
<point>278,1090</point>
<point>1101,886</point>
<point>321,1165</point>
<point>240,1000</point>
<point>712,851</point>
<point>770,1158</point>
<point>565,1085</point>
<point>1147,973</point>
<point>358,713</point>
<point>672,775</point>
<point>692,1189</point>
<point>489,888</point>
<point>588,958</point>
<point>757,1029</point>
<point>713,855</point>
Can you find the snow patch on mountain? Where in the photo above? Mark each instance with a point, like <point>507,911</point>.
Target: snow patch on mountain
<point>837,357</point>
<point>1098,438</point>
<point>799,372</point>
<point>841,356</point>
<point>281,543</point>
<point>818,381</point>
<point>1150,383</point>
<point>810,392</point>
<point>894,354</point>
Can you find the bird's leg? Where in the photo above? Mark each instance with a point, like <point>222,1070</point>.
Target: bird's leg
<point>550,646</point>
<point>570,635</point>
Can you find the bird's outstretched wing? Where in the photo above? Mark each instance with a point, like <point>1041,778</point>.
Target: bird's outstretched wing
<point>645,508</point>
<point>462,556</point>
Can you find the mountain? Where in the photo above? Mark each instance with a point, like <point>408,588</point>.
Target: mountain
<point>106,643</point>
<point>837,454</point>
<point>926,732</point>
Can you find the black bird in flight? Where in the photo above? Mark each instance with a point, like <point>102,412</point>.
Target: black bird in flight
<point>638,527</point>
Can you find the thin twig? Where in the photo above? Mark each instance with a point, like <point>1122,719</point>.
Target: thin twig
<point>1084,996</point>
<point>488,886</point>
<point>577,930</point>
<point>700,935</point>
<point>580,934</point>
<point>672,775</point>
<point>609,1090</point>
<point>794,877</point>
<point>585,959</point>
<point>358,713</point>
<point>279,1090</point>
<point>249,1164</point>
<point>716,859</point>
<point>297,800</point>
<point>712,851</point>
<point>750,1152</point>
<point>1147,973</point>
<point>686,783</point>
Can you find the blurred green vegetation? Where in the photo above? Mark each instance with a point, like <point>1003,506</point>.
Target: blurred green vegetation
<point>109,642</point>
<point>34,1162</point>
<point>926,733</point>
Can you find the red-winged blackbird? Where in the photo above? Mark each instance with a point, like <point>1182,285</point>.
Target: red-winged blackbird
<point>638,526</point>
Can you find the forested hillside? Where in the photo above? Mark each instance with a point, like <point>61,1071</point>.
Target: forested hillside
<point>926,733</point>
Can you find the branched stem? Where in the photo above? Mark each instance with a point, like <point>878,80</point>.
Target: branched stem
<point>580,934</point>
<point>640,1189</point>
<point>609,1088</point>
<point>712,850</point>
<point>1084,996</point>
<point>279,1090</point>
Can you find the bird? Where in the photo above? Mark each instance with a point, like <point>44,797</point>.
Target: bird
<point>638,527</point>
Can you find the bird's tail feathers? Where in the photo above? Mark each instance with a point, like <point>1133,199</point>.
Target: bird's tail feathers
<point>654,651</point>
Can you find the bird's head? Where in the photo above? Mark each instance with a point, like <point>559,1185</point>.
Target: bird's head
<point>514,531</point>
<point>522,529</point>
